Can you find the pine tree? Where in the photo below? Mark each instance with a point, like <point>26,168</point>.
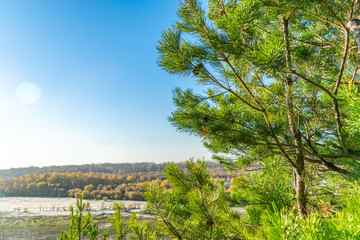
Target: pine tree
<point>279,81</point>
<point>81,226</point>
<point>118,222</point>
<point>195,207</point>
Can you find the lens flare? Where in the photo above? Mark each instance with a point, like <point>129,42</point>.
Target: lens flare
<point>28,93</point>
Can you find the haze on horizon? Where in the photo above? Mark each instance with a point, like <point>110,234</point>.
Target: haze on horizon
<point>79,84</point>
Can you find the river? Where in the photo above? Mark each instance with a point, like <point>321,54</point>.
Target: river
<point>35,206</point>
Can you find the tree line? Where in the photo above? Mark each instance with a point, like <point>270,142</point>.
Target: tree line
<point>110,168</point>
<point>89,185</point>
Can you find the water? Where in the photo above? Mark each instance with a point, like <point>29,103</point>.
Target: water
<point>35,206</point>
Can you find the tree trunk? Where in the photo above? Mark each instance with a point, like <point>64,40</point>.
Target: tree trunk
<point>300,192</point>
<point>299,168</point>
<point>354,27</point>
<point>354,24</point>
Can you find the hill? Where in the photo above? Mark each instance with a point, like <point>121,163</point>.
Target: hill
<point>100,168</point>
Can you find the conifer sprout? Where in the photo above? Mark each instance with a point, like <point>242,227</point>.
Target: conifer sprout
<point>118,223</point>
<point>280,81</point>
<point>81,227</point>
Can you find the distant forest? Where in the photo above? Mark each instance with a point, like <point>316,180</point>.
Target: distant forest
<point>122,181</point>
<point>111,168</point>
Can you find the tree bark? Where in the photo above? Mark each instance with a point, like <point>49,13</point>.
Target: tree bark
<point>300,190</point>
<point>354,24</point>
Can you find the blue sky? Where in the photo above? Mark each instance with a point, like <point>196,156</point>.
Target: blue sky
<point>103,98</point>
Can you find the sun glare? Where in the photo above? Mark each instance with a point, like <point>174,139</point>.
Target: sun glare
<point>28,93</point>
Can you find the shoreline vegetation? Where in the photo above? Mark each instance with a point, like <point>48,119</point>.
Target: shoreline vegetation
<point>98,182</point>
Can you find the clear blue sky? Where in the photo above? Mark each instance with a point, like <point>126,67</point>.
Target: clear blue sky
<point>99,95</point>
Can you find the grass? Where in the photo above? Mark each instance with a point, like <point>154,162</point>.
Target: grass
<point>44,227</point>
<point>40,227</point>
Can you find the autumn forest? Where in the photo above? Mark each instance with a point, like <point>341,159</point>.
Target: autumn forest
<point>100,181</point>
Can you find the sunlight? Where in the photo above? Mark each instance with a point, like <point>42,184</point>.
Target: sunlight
<point>28,93</point>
